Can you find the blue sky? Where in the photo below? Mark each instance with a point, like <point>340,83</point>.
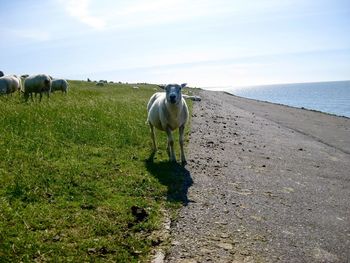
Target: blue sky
<point>206,43</point>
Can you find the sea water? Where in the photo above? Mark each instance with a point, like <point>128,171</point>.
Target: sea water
<point>330,97</point>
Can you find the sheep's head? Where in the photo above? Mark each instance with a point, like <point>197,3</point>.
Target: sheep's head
<point>173,92</point>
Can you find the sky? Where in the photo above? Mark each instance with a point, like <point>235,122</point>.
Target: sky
<point>205,43</point>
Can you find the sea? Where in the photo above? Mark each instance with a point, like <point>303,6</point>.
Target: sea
<point>331,97</point>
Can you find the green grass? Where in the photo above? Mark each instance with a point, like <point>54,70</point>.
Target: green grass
<point>71,168</point>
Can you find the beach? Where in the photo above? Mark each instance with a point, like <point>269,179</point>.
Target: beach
<point>268,183</point>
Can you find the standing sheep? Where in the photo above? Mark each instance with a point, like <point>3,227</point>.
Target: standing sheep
<point>59,84</point>
<point>168,111</point>
<point>10,84</point>
<point>19,82</point>
<point>37,84</point>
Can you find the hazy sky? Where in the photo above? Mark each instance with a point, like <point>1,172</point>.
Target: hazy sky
<point>207,43</point>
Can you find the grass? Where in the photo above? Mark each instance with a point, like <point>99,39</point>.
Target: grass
<point>71,170</point>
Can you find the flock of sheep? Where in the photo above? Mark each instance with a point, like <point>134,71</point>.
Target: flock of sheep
<point>27,85</point>
<point>167,111</point>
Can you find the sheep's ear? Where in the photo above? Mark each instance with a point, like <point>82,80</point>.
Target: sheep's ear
<point>183,85</point>
<point>161,86</point>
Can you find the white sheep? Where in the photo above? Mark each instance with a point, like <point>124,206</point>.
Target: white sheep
<point>19,83</point>
<point>168,111</point>
<point>37,84</point>
<point>59,84</point>
<point>10,84</point>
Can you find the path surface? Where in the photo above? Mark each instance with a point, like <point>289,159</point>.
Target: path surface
<point>270,184</point>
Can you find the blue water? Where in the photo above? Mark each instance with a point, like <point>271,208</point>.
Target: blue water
<point>331,97</point>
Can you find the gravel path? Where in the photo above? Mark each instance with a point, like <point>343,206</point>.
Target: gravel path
<point>270,184</point>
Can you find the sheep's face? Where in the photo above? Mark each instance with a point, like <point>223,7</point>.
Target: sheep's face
<point>173,93</point>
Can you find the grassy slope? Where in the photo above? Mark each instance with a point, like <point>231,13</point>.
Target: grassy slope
<point>72,167</point>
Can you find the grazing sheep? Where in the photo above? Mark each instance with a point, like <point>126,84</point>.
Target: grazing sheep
<point>19,82</point>
<point>168,111</point>
<point>10,84</point>
<point>99,84</point>
<point>59,84</point>
<point>37,84</point>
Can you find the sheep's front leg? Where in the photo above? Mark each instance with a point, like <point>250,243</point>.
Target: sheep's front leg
<point>181,141</point>
<point>170,148</point>
<point>153,138</point>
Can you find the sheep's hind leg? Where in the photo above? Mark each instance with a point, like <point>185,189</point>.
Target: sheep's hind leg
<point>181,141</point>
<point>170,148</point>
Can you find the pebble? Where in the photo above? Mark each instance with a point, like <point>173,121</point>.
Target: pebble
<point>224,235</point>
<point>226,246</point>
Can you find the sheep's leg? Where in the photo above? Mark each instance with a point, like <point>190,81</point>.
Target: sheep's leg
<point>41,96</point>
<point>181,141</point>
<point>153,138</point>
<point>170,148</point>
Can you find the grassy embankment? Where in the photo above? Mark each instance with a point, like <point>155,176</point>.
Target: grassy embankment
<point>71,169</point>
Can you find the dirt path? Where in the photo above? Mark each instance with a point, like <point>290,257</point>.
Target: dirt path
<point>270,184</point>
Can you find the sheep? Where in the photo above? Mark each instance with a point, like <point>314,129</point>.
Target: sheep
<point>19,82</point>
<point>5,83</point>
<point>37,84</point>
<point>168,111</point>
<point>10,84</point>
<point>59,84</point>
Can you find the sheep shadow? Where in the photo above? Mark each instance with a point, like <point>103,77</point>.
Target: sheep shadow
<point>174,176</point>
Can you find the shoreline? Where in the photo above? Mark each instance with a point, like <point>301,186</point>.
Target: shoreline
<point>270,184</point>
<point>281,104</point>
<point>308,122</point>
